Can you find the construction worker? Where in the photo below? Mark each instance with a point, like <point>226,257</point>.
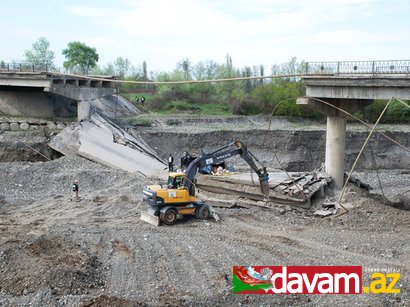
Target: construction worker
<point>75,190</point>
<point>171,163</point>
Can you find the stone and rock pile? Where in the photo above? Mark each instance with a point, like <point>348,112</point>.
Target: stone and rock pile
<point>14,124</point>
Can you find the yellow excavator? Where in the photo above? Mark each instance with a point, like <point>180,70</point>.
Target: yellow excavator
<point>178,197</point>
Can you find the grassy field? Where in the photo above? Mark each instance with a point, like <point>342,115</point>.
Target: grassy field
<point>177,107</point>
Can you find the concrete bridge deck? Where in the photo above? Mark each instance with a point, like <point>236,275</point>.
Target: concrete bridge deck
<point>49,79</point>
<point>358,86</point>
<point>46,87</point>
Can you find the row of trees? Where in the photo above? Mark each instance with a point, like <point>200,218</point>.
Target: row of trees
<point>251,96</point>
<point>80,58</point>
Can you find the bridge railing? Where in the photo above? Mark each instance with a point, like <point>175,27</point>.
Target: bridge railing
<point>358,67</point>
<point>26,67</point>
<point>311,68</point>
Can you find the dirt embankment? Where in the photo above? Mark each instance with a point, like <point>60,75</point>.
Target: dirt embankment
<point>298,150</point>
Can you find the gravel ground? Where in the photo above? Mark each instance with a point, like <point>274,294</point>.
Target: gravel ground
<point>96,252</point>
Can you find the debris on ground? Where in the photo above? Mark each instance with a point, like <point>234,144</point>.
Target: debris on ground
<point>328,208</point>
<point>297,191</point>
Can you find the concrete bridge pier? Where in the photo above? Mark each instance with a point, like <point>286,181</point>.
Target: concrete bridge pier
<point>335,149</point>
<point>335,132</point>
<point>83,110</point>
<point>84,95</point>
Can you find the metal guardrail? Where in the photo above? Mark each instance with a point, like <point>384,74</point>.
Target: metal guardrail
<point>311,68</point>
<point>25,67</point>
<point>358,67</point>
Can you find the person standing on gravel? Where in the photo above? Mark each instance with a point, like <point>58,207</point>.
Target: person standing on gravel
<point>171,163</point>
<point>75,190</point>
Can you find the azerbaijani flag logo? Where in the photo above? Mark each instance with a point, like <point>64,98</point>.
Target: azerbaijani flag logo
<point>297,279</point>
<point>248,281</point>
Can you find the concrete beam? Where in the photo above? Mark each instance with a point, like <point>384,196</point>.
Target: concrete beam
<point>24,82</point>
<point>358,87</point>
<point>349,92</point>
<point>349,105</point>
<point>82,93</point>
<point>358,81</point>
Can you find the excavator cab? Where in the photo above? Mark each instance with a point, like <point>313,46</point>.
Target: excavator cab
<point>175,180</point>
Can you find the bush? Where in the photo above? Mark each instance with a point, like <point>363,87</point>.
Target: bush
<point>184,106</point>
<point>140,121</point>
<point>245,107</point>
<point>396,113</point>
<point>173,122</point>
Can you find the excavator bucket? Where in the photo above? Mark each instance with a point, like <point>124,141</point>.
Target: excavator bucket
<point>150,218</point>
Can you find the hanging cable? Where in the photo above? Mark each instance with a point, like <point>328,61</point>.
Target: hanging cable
<point>360,153</point>
<point>282,168</point>
<point>188,81</point>
<point>405,104</point>
<point>374,160</point>
<point>116,101</point>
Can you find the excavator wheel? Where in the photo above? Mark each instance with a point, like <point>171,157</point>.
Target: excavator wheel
<point>169,217</point>
<point>203,212</point>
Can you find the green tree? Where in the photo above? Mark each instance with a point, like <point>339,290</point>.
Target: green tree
<point>144,71</point>
<point>186,67</point>
<point>122,66</point>
<point>80,57</point>
<point>227,71</point>
<point>40,56</point>
<point>247,84</point>
<point>261,70</point>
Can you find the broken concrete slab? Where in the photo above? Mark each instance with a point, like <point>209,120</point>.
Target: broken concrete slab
<point>66,141</point>
<point>94,140</point>
<point>239,188</point>
<point>97,145</point>
<point>296,192</point>
<point>324,213</point>
<point>115,106</point>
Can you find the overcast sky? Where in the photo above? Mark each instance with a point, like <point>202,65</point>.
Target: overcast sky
<point>253,32</point>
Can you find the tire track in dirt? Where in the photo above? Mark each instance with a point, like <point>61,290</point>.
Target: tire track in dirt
<point>301,245</point>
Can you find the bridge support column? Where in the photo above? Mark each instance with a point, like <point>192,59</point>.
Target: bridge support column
<point>335,149</point>
<point>336,131</point>
<point>83,110</point>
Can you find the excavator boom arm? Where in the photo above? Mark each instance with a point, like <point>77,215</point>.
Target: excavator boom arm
<point>220,155</point>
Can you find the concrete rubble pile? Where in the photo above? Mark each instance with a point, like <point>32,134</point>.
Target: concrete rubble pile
<point>297,191</point>
<point>304,185</point>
